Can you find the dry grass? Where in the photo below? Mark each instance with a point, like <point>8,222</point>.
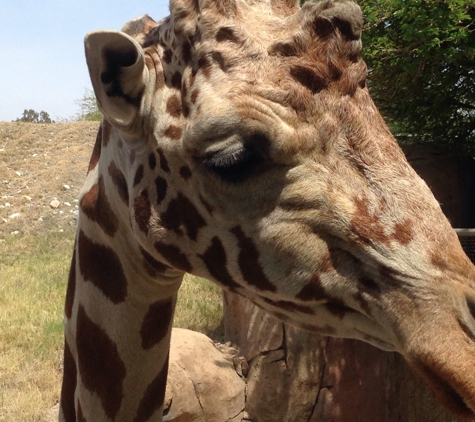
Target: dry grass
<point>31,296</point>
<point>35,249</point>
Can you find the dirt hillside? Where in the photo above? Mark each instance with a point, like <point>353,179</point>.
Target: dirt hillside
<point>42,169</point>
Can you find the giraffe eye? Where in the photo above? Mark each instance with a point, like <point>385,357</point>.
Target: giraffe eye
<point>235,163</point>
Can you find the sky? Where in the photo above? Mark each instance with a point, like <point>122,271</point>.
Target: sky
<point>42,64</point>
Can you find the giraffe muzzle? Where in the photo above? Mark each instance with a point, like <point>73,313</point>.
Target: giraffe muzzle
<point>442,352</point>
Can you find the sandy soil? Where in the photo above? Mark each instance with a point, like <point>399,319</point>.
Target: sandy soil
<point>40,163</point>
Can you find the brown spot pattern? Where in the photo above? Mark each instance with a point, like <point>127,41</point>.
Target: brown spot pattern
<point>154,396</point>
<point>176,80</point>
<point>218,57</point>
<point>101,368</point>
<point>194,95</point>
<point>96,152</point>
<point>312,291</point>
<point>174,256</point>
<point>215,260</point>
<point>323,27</point>
<point>338,308</point>
<point>206,204</point>
<point>286,49</point>
<point>167,56</point>
<point>163,161</point>
<point>205,65</point>
<point>174,106</point>
<point>96,206</point>
<point>308,78</point>
<point>69,385</point>
<point>289,306</point>
<point>186,109</point>
<point>119,181</point>
<point>185,172</point>
<point>106,132</point>
<point>182,212</point>
<point>152,266</point>
<point>139,175</point>
<point>367,227</point>
<point>173,132</point>
<point>156,323</point>
<point>142,211</point>
<point>152,161</point>
<point>227,34</point>
<point>248,260</point>
<point>161,186</point>
<point>403,232</point>
<point>71,290</point>
<point>369,285</point>
<point>101,266</point>
<point>186,52</point>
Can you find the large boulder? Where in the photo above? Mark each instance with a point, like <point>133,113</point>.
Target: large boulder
<point>203,385</point>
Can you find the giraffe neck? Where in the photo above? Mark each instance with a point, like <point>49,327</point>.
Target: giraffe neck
<point>119,309</point>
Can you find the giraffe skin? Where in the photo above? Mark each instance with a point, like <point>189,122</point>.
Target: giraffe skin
<point>240,143</point>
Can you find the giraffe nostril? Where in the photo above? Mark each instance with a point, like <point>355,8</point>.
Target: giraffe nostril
<point>467,321</point>
<point>471,306</point>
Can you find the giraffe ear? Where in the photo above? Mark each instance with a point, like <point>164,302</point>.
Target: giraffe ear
<point>118,74</point>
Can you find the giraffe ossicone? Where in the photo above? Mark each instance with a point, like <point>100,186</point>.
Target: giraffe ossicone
<point>239,143</point>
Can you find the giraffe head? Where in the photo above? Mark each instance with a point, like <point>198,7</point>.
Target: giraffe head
<point>240,144</point>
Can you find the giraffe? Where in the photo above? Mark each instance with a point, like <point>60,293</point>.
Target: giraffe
<point>240,144</point>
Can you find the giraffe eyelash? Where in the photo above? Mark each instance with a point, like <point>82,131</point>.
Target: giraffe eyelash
<point>233,164</point>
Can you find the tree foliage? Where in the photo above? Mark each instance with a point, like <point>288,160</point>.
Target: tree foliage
<point>421,60</point>
<point>32,116</point>
<point>88,109</point>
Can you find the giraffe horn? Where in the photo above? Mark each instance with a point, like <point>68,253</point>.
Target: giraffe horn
<point>328,15</point>
<point>339,21</point>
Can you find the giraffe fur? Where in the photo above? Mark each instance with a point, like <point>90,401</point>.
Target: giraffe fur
<point>240,143</point>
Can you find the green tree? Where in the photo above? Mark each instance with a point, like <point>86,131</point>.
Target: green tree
<point>32,116</point>
<point>88,109</point>
<point>421,60</point>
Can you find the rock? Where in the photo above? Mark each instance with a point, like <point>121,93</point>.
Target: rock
<point>285,364</point>
<point>66,187</point>
<point>54,204</point>
<point>14,215</point>
<point>202,385</point>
